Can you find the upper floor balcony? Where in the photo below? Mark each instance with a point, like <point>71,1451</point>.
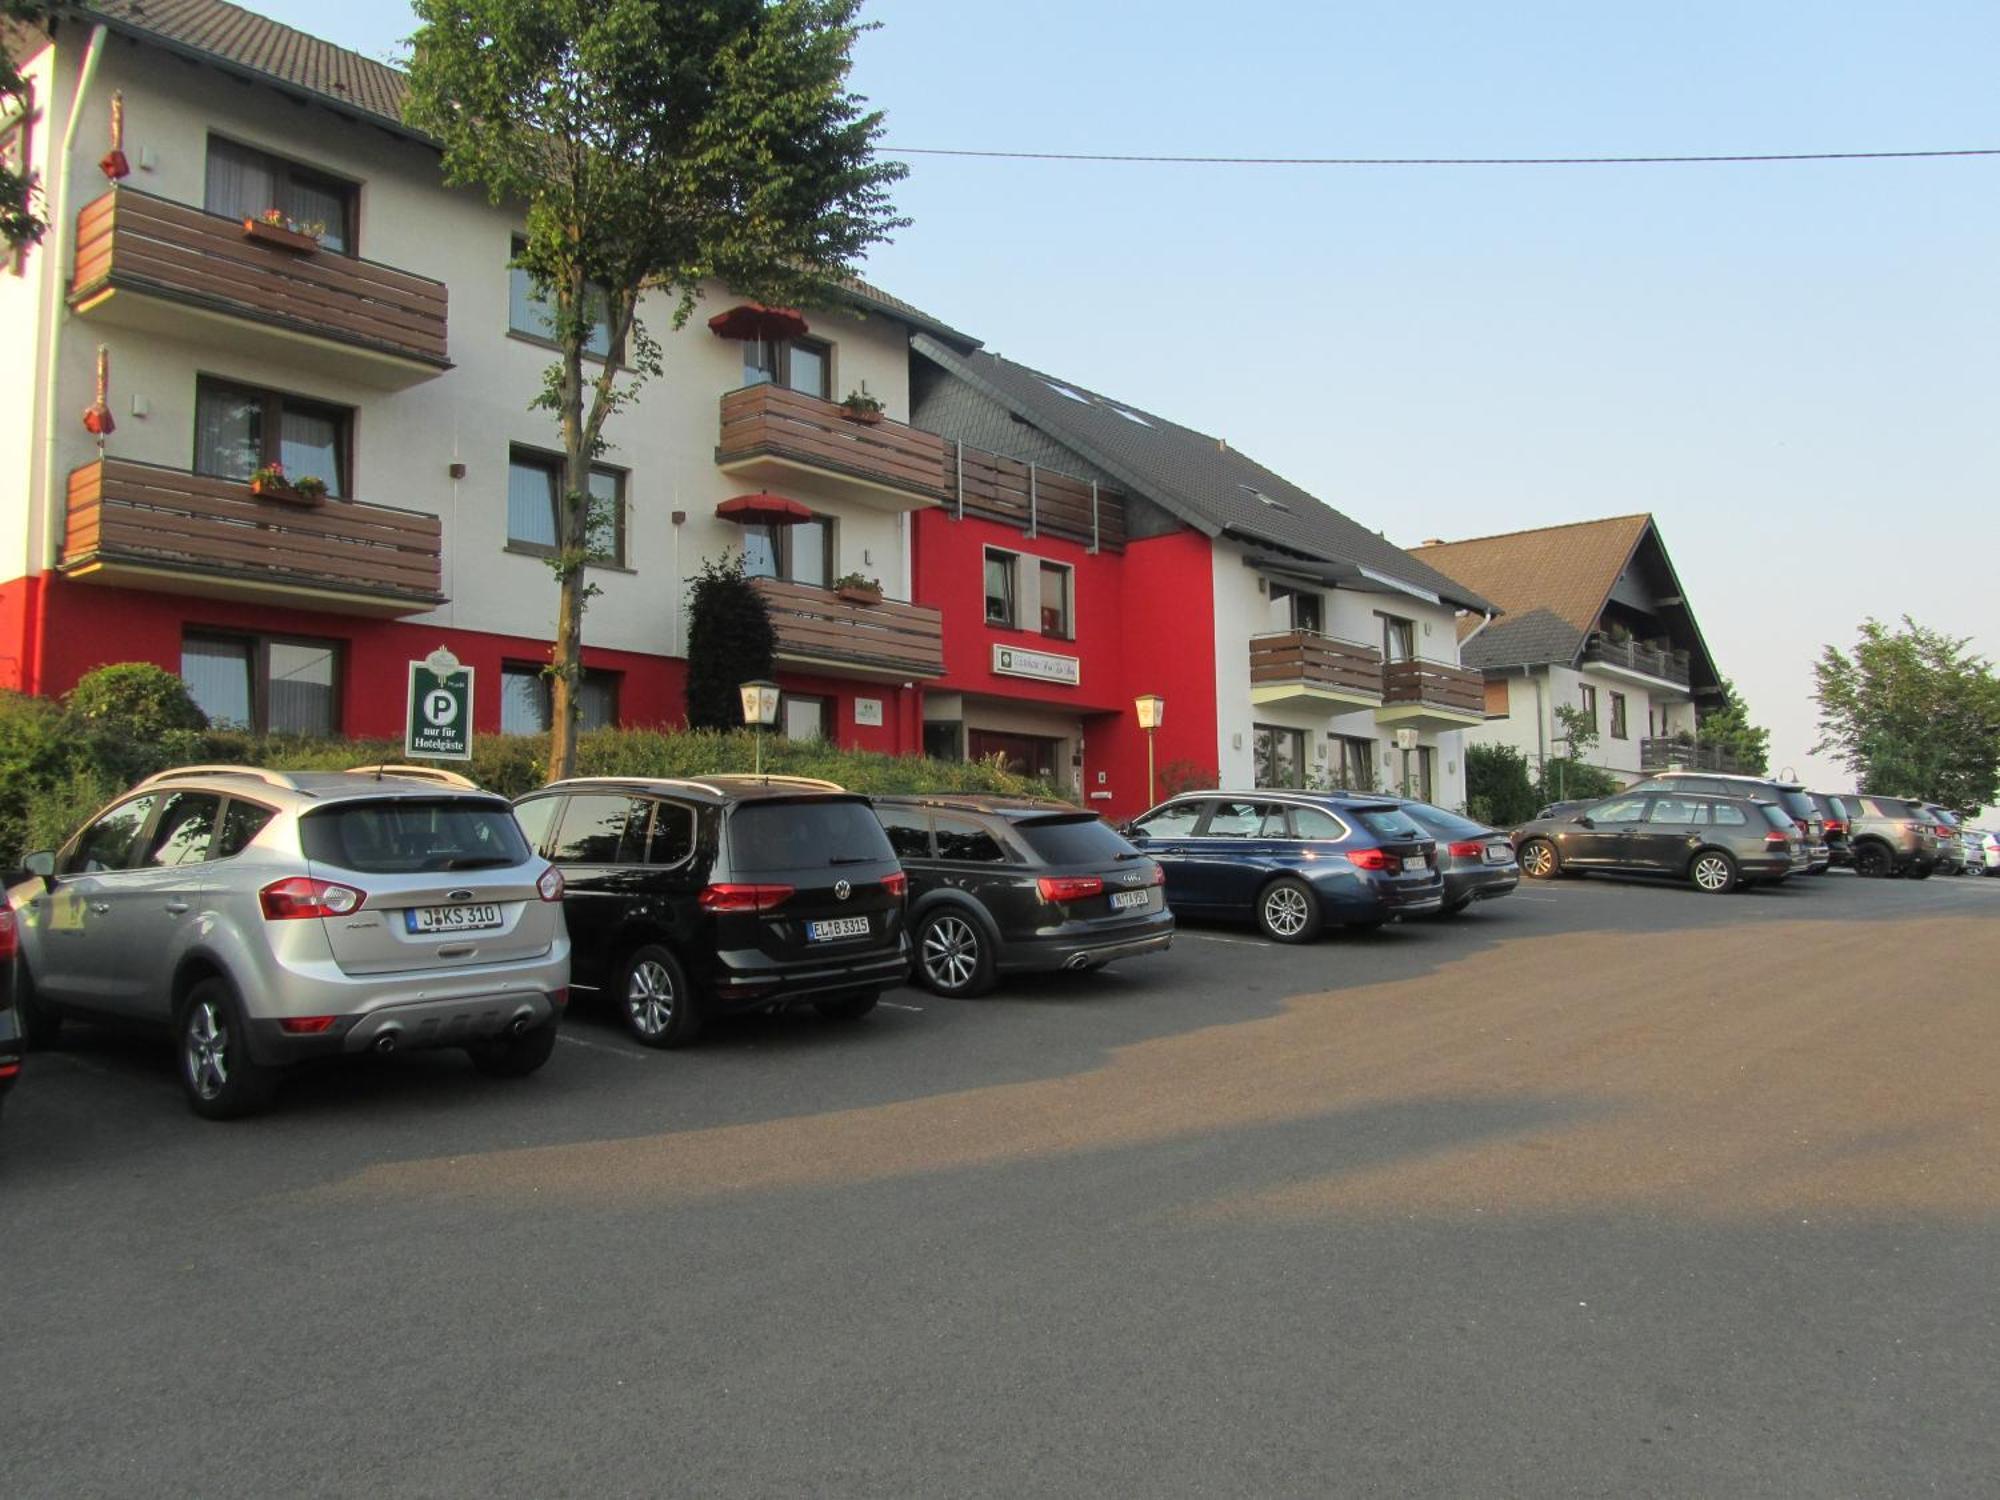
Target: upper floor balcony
<point>1681,752</point>
<point>1632,658</point>
<point>1431,695</point>
<point>1303,669</point>
<point>143,526</point>
<point>820,631</point>
<point>153,264</point>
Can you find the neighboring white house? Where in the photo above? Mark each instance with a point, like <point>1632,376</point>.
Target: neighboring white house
<point>1595,618</point>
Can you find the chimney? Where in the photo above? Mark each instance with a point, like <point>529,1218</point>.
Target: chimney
<point>1222,445</point>
<point>1431,541</point>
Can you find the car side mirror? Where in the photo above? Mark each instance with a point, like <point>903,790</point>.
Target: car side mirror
<point>1583,820</point>
<point>1130,830</point>
<point>43,863</point>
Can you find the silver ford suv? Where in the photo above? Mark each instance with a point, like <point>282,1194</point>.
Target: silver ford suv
<point>272,916</point>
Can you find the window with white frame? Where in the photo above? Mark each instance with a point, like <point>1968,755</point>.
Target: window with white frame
<point>1002,584</point>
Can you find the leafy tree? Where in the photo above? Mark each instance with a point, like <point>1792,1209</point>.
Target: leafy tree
<point>730,642</point>
<point>1912,714</point>
<point>1565,780</point>
<point>1729,730</point>
<point>655,145</point>
<point>1497,787</point>
<point>1576,727</point>
<point>21,221</point>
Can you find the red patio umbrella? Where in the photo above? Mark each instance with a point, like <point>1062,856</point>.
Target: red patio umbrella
<point>762,509</point>
<point>753,320</point>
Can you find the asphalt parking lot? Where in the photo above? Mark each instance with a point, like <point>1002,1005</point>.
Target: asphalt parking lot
<point>1605,1188</point>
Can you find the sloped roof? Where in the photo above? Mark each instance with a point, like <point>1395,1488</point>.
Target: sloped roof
<point>1553,581</point>
<point>251,46</point>
<point>1197,478</point>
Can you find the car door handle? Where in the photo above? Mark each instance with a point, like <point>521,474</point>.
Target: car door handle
<point>100,907</point>
<point>175,908</point>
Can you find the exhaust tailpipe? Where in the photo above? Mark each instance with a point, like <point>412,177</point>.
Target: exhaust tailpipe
<point>386,1043</point>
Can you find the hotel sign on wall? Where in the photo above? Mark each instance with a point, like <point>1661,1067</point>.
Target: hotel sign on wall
<point>1043,666</point>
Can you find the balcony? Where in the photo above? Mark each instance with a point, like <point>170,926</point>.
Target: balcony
<point>1674,753</point>
<point>771,437</point>
<point>818,630</point>
<point>162,267</point>
<point>1033,498</point>
<point>1431,695</point>
<point>1650,665</point>
<point>1301,669</point>
<point>140,526</point>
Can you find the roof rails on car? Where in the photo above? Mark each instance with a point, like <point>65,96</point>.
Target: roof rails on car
<point>700,786</point>
<point>437,774</point>
<point>818,783</point>
<point>269,777</point>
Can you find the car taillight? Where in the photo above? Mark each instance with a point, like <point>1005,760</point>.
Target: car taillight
<point>10,935</point>
<point>1836,828</point>
<point>8,1070</point>
<point>1775,839</point>
<point>551,886</point>
<point>306,1025</point>
<point>897,885</point>
<point>1468,850</point>
<point>1159,875</point>
<point>1368,859</point>
<point>735,897</point>
<point>300,896</point>
<point>1070,887</point>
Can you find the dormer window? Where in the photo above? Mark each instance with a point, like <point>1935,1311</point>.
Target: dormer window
<point>244,183</point>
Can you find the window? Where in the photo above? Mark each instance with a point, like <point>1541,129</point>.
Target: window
<point>1174,821</point>
<point>1295,609</point>
<point>241,823</point>
<point>107,843</point>
<point>1388,823</point>
<point>672,838</point>
<point>1416,775</point>
<point>968,842</point>
<point>536,816</point>
<point>1618,716</point>
<point>534,499</point>
<point>266,683</point>
<point>944,739</point>
<point>1073,840</point>
<point>1000,570</point>
<point>1619,810</point>
<point>1677,810</point>
<point>1316,823</point>
<point>1399,638</point>
<point>239,429</point>
<point>804,718</point>
<point>804,365</point>
<point>182,834</point>
<point>403,835</point>
<point>600,830</point>
<point>1588,694</point>
<point>809,834</point>
<point>1247,820</point>
<point>526,707</point>
<point>529,314</point>
<point>802,552</point>
<point>17,154</point>
<point>1354,764</point>
<point>909,832</point>
<point>1280,756</point>
<point>1055,601</point>
<point>246,184</point>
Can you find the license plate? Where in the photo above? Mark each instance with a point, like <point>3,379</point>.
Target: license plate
<point>1126,900</point>
<point>1416,862</point>
<point>836,927</point>
<point>1498,854</point>
<point>423,919</point>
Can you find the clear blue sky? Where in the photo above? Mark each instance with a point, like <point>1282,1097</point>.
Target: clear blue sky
<point>1794,367</point>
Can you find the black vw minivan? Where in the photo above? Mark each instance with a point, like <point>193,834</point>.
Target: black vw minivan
<point>687,899</point>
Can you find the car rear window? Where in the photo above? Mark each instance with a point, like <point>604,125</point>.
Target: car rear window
<point>1778,817</point>
<point>1939,815</point>
<point>1072,841</point>
<point>1799,805</point>
<point>805,835</point>
<point>1444,824</point>
<point>1387,822</point>
<point>404,835</point>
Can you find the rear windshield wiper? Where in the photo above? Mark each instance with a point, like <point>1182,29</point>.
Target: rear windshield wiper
<point>477,862</point>
<point>852,859</point>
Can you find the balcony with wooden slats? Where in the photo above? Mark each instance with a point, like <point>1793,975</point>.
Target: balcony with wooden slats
<point>1430,695</point>
<point>1304,670</point>
<point>152,264</point>
<point>818,631</point>
<point>1653,666</point>
<point>137,525</point>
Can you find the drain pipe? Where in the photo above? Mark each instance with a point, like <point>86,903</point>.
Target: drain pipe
<point>1474,636</point>
<point>58,246</point>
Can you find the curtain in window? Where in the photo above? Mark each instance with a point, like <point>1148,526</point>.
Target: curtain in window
<point>228,432</point>
<point>301,690</point>
<point>323,203</point>
<point>240,182</point>
<point>524,701</point>
<point>531,505</point>
<point>526,313</point>
<point>607,523</point>
<point>597,701</point>
<point>309,445</point>
<point>810,543</point>
<point>217,674</point>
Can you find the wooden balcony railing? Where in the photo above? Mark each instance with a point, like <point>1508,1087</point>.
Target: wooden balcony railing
<point>139,523</point>
<point>1034,498</point>
<point>129,241</point>
<point>1435,684</point>
<point>1315,664</point>
<point>1633,656</point>
<point>890,639</point>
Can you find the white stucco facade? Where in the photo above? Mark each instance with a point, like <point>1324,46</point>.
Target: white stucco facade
<point>1523,705</point>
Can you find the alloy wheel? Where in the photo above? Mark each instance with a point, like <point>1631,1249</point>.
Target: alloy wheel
<point>951,952</point>
<point>1711,873</point>
<point>650,998</point>
<point>1538,860</point>
<point>1286,912</point>
<point>207,1044</point>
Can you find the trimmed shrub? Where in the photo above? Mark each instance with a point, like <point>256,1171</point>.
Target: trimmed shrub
<point>730,642</point>
<point>1498,789</point>
<point>1573,781</point>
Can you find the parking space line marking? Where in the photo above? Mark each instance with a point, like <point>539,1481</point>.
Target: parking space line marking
<point>1210,937</point>
<point>898,1005</point>
<point>624,1052</point>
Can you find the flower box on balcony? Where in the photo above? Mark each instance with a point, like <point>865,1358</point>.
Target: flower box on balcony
<point>858,595</point>
<point>288,494</point>
<point>278,237</point>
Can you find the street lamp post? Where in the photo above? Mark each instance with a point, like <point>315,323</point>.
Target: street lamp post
<point>760,711</point>
<point>1152,708</point>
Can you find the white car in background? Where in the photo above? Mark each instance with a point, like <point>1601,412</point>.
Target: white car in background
<point>1984,854</point>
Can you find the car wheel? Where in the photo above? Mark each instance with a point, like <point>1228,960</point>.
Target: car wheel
<point>514,1056</point>
<point>953,957</point>
<point>655,1000</point>
<point>40,1026</point>
<point>1713,872</point>
<point>1539,860</point>
<point>847,1007</point>
<point>221,1079</point>
<point>1874,862</point>
<point>1288,912</point>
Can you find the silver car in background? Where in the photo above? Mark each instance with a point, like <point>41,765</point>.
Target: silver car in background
<point>267,917</point>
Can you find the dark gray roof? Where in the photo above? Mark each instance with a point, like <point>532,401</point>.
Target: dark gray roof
<point>1534,639</point>
<point>1200,479</point>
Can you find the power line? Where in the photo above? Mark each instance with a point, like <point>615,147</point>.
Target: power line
<point>1437,161</point>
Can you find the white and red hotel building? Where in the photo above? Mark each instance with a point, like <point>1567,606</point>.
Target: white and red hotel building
<point>1031,591</point>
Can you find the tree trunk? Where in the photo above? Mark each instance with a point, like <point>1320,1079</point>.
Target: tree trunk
<point>572,545</point>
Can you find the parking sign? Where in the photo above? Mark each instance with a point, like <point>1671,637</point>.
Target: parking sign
<point>437,722</point>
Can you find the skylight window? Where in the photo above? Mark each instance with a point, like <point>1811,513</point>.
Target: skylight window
<point>1274,504</point>
<point>1063,390</point>
<point>1131,416</point>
